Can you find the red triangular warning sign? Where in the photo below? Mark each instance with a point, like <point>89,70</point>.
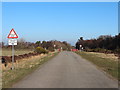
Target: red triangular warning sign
<point>12,34</point>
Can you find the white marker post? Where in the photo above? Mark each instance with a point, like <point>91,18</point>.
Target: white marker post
<point>12,41</point>
<point>80,47</point>
<point>54,47</point>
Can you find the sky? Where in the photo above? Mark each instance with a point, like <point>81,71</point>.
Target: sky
<point>0,21</point>
<point>63,21</point>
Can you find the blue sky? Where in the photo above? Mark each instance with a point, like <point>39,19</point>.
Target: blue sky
<point>0,20</point>
<point>64,21</point>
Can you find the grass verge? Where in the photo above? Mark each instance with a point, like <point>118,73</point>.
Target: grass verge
<point>8,52</point>
<point>107,64</point>
<point>10,77</point>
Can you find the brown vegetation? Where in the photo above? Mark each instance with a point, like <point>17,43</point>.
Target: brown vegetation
<point>8,59</point>
<point>103,44</point>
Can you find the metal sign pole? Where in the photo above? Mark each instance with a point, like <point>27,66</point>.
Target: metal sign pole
<point>12,56</point>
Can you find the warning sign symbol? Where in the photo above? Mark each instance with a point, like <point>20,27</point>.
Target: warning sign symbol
<point>12,34</point>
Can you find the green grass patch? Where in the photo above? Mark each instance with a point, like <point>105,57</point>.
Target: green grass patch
<point>11,77</point>
<point>107,64</point>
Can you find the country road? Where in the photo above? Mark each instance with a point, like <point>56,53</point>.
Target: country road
<point>67,70</point>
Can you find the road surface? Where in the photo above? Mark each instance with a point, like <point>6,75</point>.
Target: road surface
<point>67,70</point>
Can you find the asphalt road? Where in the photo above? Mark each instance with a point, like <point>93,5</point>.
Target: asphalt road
<point>67,70</point>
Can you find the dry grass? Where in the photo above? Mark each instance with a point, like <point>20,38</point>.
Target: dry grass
<point>21,63</point>
<point>22,68</point>
<point>107,62</point>
<point>8,52</point>
<point>103,55</point>
<point>0,76</point>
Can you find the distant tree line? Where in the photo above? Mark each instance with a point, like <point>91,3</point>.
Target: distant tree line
<point>48,45</point>
<point>104,43</point>
<point>21,44</point>
<point>54,44</point>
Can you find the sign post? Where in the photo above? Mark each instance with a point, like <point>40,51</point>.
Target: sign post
<point>12,41</point>
<point>12,57</point>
